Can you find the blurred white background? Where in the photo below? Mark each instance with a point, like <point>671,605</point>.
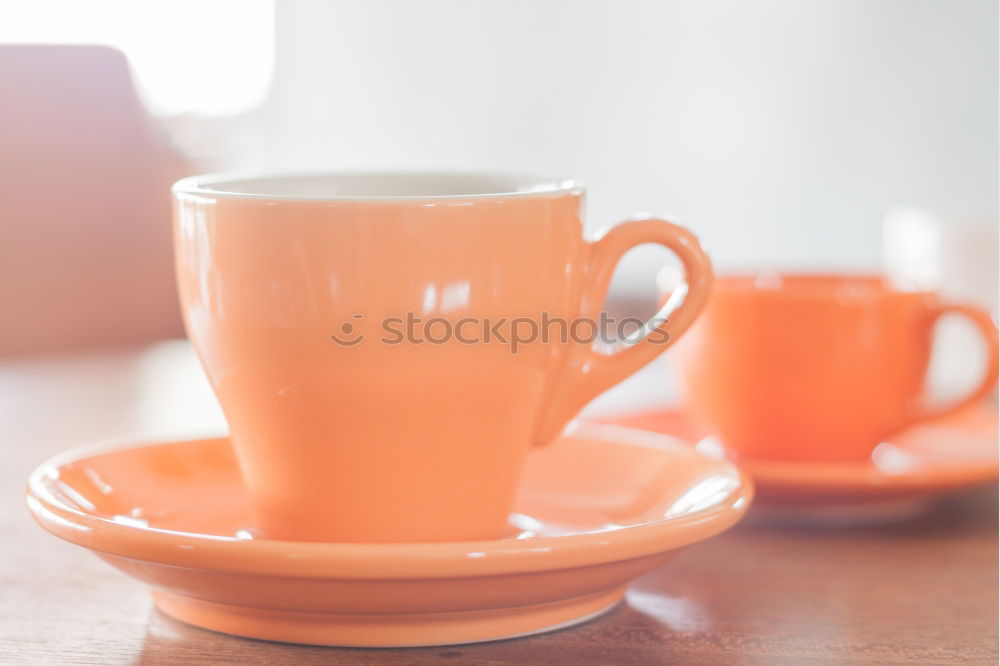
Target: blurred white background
<point>781,131</point>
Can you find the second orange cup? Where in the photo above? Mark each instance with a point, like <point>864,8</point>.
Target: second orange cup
<point>817,367</point>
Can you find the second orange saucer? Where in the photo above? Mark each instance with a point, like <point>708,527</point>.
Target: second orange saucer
<point>597,508</point>
<point>952,453</point>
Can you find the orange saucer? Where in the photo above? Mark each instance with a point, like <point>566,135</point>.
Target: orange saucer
<point>597,508</point>
<point>949,454</point>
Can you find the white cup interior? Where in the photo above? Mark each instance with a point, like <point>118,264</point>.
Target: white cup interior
<point>388,185</point>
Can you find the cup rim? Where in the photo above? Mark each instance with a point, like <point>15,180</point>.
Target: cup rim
<point>388,185</point>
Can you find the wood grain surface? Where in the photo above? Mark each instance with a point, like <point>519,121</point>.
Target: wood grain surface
<point>922,591</point>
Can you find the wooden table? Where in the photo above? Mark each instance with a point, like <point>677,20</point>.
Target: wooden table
<point>923,591</point>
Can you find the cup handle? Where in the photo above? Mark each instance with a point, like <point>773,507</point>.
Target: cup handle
<point>590,371</point>
<point>984,324</point>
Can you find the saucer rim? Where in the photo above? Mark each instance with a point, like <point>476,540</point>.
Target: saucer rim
<point>840,478</point>
<point>383,560</point>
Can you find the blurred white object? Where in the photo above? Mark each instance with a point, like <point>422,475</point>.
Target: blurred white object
<point>188,57</point>
<point>954,254</point>
<point>957,256</point>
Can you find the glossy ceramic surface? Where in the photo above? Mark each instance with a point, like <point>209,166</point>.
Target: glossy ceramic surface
<point>365,439</point>
<point>951,453</point>
<point>596,509</point>
<point>817,368</point>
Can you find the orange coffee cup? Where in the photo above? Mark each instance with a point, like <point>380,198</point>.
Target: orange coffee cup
<point>349,428</point>
<point>817,367</point>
